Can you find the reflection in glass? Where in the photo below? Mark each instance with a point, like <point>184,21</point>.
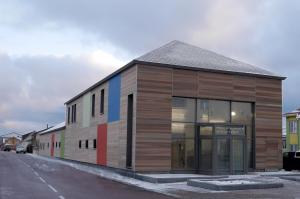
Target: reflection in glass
<point>238,155</point>
<point>237,131</point>
<point>205,156</point>
<point>202,111</point>
<point>223,155</point>
<point>206,130</point>
<point>219,111</point>
<point>183,154</point>
<point>182,130</point>
<point>221,130</point>
<point>183,109</point>
<point>244,115</point>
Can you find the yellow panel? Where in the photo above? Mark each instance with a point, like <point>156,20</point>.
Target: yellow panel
<point>293,138</point>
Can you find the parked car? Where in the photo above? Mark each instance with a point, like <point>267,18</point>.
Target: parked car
<point>20,149</point>
<point>7,147</point>
<point>291,160</point>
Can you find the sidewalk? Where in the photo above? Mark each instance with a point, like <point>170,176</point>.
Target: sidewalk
<point>182,190</point>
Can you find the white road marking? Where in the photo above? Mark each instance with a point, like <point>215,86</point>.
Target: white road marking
<point>61,197</point>
<point>42,180</point>
<point>36,173</point>
<point>53,189</point>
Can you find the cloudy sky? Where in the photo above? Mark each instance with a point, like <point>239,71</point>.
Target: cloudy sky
<point>51,50</point>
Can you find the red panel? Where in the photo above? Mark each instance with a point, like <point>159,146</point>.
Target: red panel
<point>102,144</point>
<point>52,145</point>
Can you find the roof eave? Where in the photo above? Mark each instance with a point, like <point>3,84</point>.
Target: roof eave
<point>135,61</point>
<point>58,129</point>
<point>209,70</point>
<point>101,81</point>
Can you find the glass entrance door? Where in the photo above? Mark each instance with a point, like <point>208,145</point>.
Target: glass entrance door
<point>222,149</point>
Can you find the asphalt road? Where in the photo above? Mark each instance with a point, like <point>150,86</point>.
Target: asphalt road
<point>24,177</point>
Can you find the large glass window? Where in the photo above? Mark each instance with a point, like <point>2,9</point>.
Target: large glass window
<point>213,111</point>
<point>183,109</point>
<point>183,152</point>
<point>293,126</point>
<point>187,112</point>
<point>241,113</point>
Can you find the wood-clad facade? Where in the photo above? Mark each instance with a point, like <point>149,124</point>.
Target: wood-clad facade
<point>156,87</point>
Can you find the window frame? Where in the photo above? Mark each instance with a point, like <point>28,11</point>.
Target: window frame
<point>94,143</point>
<point>102,94</point>
<point>86,144</point>
<point>93,105</point>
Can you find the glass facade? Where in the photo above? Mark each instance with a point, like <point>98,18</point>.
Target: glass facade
<point>196,123</point>
<point>183,134</point>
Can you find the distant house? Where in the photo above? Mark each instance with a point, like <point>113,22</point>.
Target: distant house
<point>11,139</point>
<point>51,141</point>
<point>292,130</point>
<point>29,140</point>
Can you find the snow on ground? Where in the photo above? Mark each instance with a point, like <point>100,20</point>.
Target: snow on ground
<point>232,182</point>
<point>170,189</point>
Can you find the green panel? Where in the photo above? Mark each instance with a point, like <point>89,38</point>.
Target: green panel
<point>62,144</point>
<point>288,137</point>
<point>86,110</point>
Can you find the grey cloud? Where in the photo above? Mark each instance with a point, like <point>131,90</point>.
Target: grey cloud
<point>263,33</point>
<point>134,25</point>
<point>34,89</point>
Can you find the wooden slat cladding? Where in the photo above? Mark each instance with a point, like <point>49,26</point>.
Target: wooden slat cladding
<point>214,85</point>
<point>153,119</point>
<point>268,123</point>
<point>244,88</point>
<point>128,86</point>
<point>183,79</point>
<point>157,85</point>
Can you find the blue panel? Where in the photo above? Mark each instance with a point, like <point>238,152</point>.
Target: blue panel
<point>114,97</point>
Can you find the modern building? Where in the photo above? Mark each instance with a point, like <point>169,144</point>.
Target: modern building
<point>179,108</point>
<point>292,130</point>
<point>51,141</point>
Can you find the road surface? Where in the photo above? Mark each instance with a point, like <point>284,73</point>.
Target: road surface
<point>25,177</point>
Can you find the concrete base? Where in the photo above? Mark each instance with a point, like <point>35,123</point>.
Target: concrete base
<point>172,178</point>
<point>233,184</point>
<point>293,178</point>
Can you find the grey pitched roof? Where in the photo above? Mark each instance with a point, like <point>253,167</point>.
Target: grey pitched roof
<point>177,53</point>
<point>181,55</point>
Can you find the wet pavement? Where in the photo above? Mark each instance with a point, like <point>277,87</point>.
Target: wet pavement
<point>25,177</point>
<point>28,177</point>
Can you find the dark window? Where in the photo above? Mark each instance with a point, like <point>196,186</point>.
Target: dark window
<point>95,143</point>
<point>73,113</point>
<point>48,144</point>
<point>93,105</point>
<point>86,144</point>
<point>102,101</point>
<point>129,131</point>
<point>55,144</point>
<point>59,144</point>
<point>80,144</point>
<point>69,115</point>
